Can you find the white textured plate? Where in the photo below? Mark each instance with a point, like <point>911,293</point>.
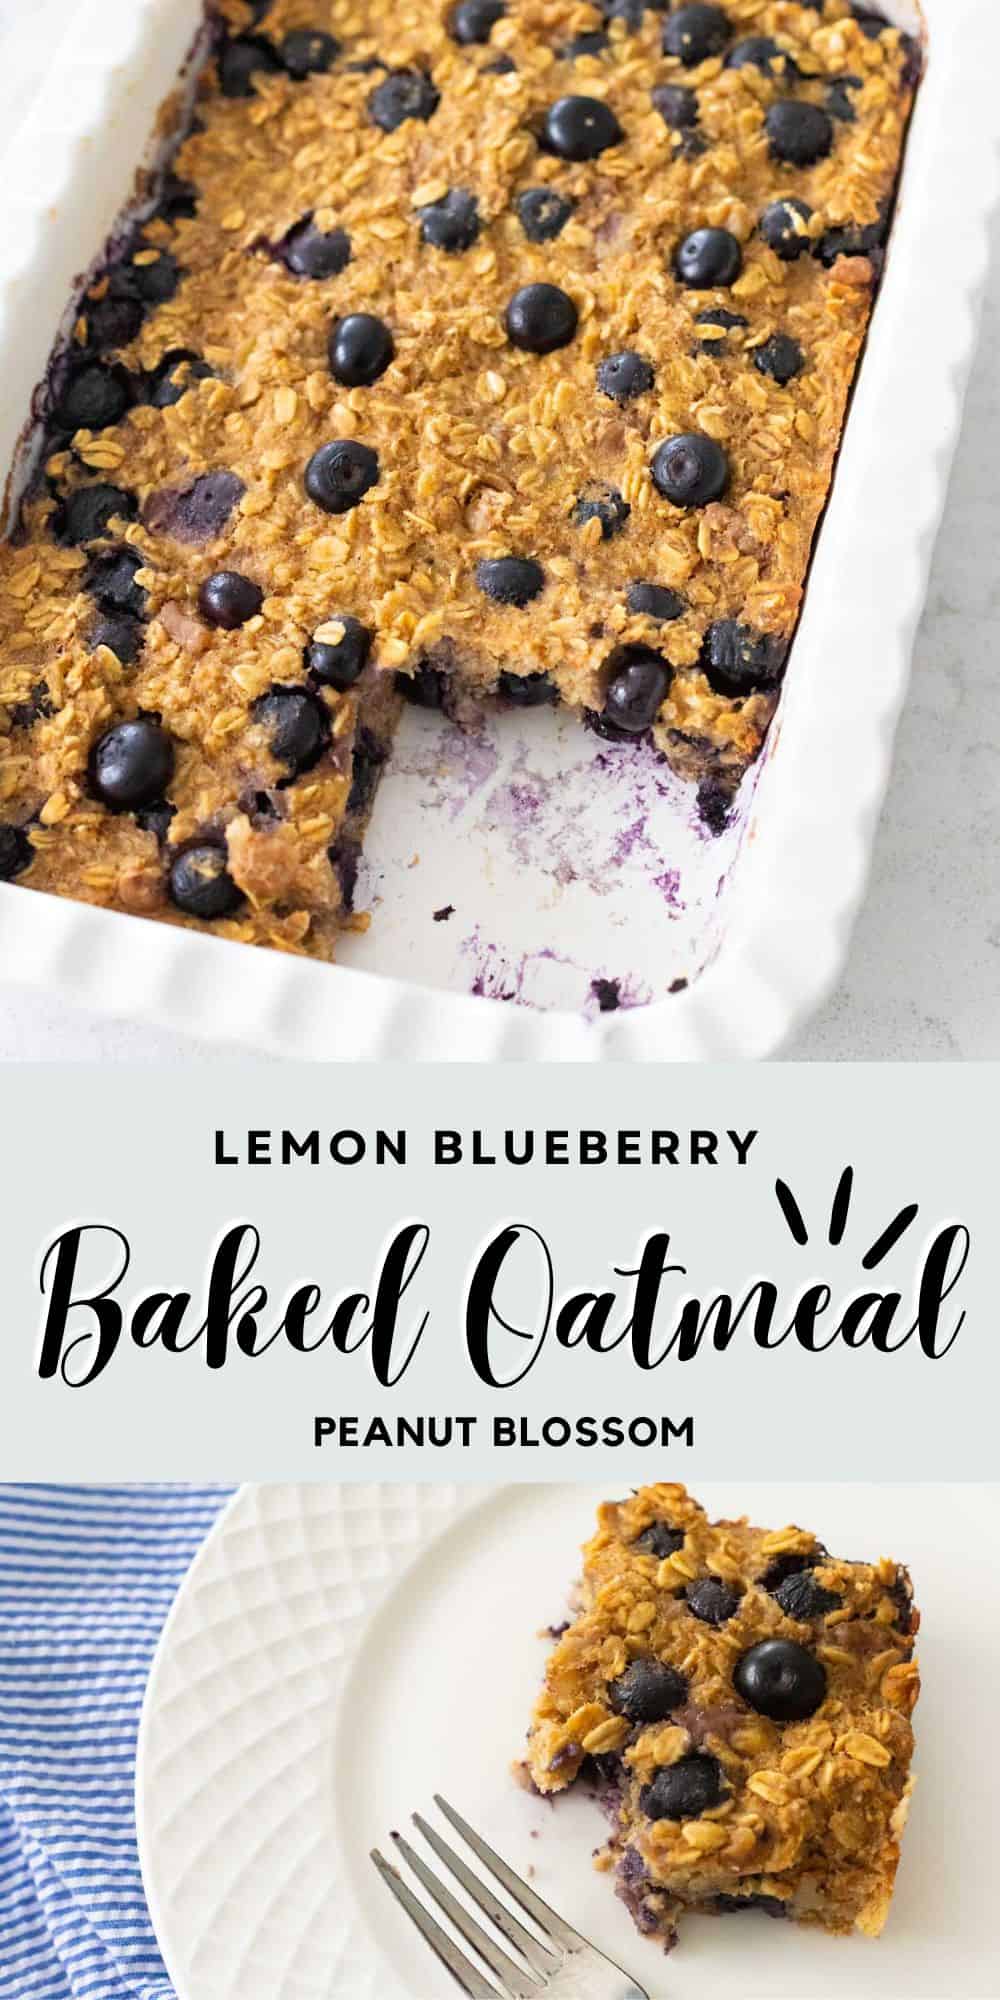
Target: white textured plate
<point>607,878</point>
<point>338,1653</point>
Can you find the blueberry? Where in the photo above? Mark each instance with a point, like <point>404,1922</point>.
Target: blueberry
<point>764,53</point>
<point>360,349</point>
<point>839,102</point>
<point>711,1600</point>
<point>683,1790</point>
<point>308,52</point>
<point>542,213</point>
<point>177,372</point>
<point>690,469</point>
<point>451,223</point>
<point>789,1565</point>
<point>541,318</point>
<point>16,852</point>
<point>659,1540</point>
<point>871,23</point>
<point>593,43</point>
<point>780,357</point>
<point>624,376</point>
<point>178,198</point>
<point>111,580</point>
<point>648,1691</point>
<point>728,1906</point>
<point>510,579</point>
<point>132,764</point>
<point>366,768</point>
<point>784,227</point>
<point>338,663</point>
<point>242,59</point>
<point>629,11</point>
<point>195,513</point>
<point>799,133</point>
<point>121,634</point>
<point>715,805</point>
<point>636,689</point>
<point>474,20</point>
<point>93,398</point>
<point>339,474</point>
<point>155,819</point>
<point>708,257</point>
<point>696,32</point>
<point>736,659</point>
<point>200,884</point>
<point>113,322</point>
<point>500,66</point>
<point>298,726</point>
<point>677,106</point>
<point>84,515</point>
<point>600,502</point>
<point>37,708</point>
<point>717,323</point>
<point>424,688</point>
<point>157,282</point>
<point>801,1597</point>
<point>654,600</point>
<point>309,252</point>
<point>228,599</point>
<point>527,690</point>
<point>780,1679</point>
<point>579,128</point>
<point>403,94</point>
<point>854,239</point>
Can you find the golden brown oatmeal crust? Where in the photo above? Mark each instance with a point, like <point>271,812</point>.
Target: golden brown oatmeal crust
<point>483,449</point>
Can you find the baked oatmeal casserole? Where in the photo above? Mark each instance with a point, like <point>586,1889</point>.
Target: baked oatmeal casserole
<point>742,1700</point>
<point>498,348</point>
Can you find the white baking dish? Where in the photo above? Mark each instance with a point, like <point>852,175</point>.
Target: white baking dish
<point>565,861</point>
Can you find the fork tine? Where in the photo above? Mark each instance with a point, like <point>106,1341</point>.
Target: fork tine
<point>521,1985</point>
<point>544,1916</point>
<point>538,1957</point>
<point>470,1981</point>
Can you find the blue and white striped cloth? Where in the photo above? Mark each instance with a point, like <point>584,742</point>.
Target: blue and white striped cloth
<point>87,1576</point>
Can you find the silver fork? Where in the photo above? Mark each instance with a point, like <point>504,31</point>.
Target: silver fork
<point>561,1964</point>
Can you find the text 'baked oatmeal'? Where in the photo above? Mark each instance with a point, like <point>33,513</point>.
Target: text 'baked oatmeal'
<point>489,349</point>
<point>742,1699</point>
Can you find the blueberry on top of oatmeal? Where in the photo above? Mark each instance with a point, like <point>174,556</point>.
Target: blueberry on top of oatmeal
<point>624,376</point>
<point>798,132</point>
<point>784,227</point>
<point>132,764</point>
<point>339,662</point>
<point>543,213</point>
<point>403,94</point>
<point>579,128</point>
<point>780,1679</point>
<point>510,579</point>
<point>452,223</point>
<point>309,252</point>
<point>541,318</point>
<point>684,1790</point>
<point>474,20</point>
<point>340,473</point>
<point>695,32</point>
<point>360,349</point>
<point>199,882</point>
<point>780,357</point>
<point>228,599</point>
<point>690,470</point>
<point>708,257</point>
<point>308,52</point>
<point>298,726</point>
<point>598,501</point>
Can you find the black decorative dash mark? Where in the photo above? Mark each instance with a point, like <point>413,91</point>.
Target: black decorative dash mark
<point>890,1237</point>
<point>792,1213</point>
<point>839,1212</point>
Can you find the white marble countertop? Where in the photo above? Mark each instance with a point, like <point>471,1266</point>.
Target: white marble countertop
<point>922,981</point>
